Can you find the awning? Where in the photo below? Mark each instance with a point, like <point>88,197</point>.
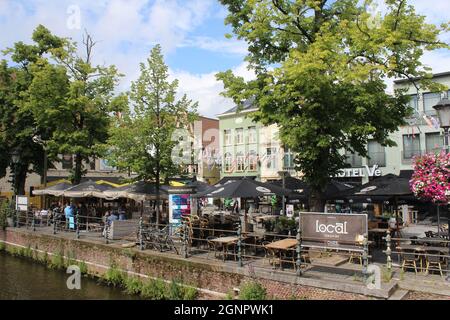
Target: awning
<point>86,189</point>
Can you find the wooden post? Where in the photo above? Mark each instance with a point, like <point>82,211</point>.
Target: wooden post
<point>299,253</point>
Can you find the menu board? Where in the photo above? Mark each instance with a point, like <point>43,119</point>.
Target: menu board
<point>179,206</point>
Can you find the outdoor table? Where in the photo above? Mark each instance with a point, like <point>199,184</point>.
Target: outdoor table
<point>281,245</point>
<point>434,241</point>
<point>261,218</point>
<point>225,242</point>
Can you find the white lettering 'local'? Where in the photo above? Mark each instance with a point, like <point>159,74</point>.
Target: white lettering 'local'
<point>337,228</point>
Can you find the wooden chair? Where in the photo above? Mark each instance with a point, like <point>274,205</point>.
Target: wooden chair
<point>354,255</point>
<point>211,246</point>
<point>289,256</point>
<point>435,258</point>
<point>273,257</point>
<point>410,258</point>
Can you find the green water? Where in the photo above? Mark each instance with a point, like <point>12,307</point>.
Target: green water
<point>27,280</point>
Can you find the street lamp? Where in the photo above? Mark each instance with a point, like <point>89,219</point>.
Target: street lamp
<point>15,158</point>
<point>443,112</point>
<point>37,139</point>
<point>283,174</point>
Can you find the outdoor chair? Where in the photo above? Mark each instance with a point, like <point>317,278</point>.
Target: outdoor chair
<point>211,246</point>
<point>289,256</point>
<point>410,258</point>
<point>273,258</point>
<point>430,234</point>
<point>354,255</point>
<point>435,258</point>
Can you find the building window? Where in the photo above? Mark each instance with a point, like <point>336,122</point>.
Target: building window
<point>414,102</point>
<point>377,154</point>
<point>434,142</point>
<point>411,145</point>
<point>353,159</point>
<point>239,136</point>
<point>288,161</point>
<point>429,101</point>
<point>240,159</point>
<point>228,162</point>
<point>271,157</point>
<point>252,135</point>
<point>67,162</point>
<point>252,161</point>
<point>227,137</point>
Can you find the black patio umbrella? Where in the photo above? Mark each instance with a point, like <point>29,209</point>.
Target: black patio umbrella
<point>55,190</point>
<point>86,189</point>
<point>388,187</point>
<point>138,191</point>
<point>243,188</point>
<point>333,190</point>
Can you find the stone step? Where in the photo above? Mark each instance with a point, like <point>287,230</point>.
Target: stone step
<point>398,294</point>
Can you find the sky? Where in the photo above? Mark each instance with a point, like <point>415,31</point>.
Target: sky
<point>191,33</point>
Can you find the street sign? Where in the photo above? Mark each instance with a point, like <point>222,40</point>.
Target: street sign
<point>21,203</point>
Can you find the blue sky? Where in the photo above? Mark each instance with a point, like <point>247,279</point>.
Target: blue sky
<point>191,33</point>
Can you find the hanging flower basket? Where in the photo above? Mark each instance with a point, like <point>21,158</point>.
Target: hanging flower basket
<point>431,178</point>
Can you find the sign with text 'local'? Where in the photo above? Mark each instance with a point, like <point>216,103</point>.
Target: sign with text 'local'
<point>333,227</point>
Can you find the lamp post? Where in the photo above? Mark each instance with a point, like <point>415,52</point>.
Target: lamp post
<point>37,139</point>
<point>283,175</point>
<point>443,112</point>
<point>15,158</point>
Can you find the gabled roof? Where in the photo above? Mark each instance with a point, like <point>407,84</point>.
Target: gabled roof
<point>247,105</point>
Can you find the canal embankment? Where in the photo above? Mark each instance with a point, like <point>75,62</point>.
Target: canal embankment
<point>212,278</point>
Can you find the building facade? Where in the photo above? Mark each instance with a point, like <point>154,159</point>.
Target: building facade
<point>251,149</point>
<point>421,135</point>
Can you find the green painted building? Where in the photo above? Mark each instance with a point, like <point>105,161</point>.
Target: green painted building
<point>239,143</point>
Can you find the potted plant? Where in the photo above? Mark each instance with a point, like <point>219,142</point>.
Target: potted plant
<point>6,215</point>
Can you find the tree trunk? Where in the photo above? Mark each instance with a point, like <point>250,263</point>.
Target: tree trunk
<point>20,179</point>
<point>317,201</point>
<point>78,169</point>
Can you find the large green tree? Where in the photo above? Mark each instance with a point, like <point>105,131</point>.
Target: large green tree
<point>17,125</point>
<point>72,101</point>
<point>142,138</point>
<point>321,68</point>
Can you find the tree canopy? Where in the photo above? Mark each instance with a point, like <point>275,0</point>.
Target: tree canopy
<point>142,138</point>
<point>321,68</point>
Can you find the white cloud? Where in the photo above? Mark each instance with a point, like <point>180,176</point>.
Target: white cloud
<point>205,89</point>
<point>232,46</point>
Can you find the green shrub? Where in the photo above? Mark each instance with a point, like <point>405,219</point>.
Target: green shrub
<point>2,246</point>
<point>5,212</point>
<point>114,276</point>
<point>252,291</point>
<point>154,289</point>
<point>83,267</point>
<point>190,293</point>
<point>57,261</point>
<point>133,285</point>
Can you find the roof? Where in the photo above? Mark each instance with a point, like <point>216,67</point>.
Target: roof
<point>247,105</point>
<point>435,75</point>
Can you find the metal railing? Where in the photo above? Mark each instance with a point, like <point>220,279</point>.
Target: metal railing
<point>422,256</point>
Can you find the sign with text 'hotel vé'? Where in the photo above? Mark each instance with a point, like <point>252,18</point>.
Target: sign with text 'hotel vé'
<point>333,227</point>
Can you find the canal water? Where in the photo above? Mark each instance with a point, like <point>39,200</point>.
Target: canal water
<point>28,280</point>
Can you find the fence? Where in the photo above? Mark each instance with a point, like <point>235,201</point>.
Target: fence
<point>287,252</point>
<point>423,256</point>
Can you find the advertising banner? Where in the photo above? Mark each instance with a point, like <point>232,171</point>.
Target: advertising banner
<point>333,227</point>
